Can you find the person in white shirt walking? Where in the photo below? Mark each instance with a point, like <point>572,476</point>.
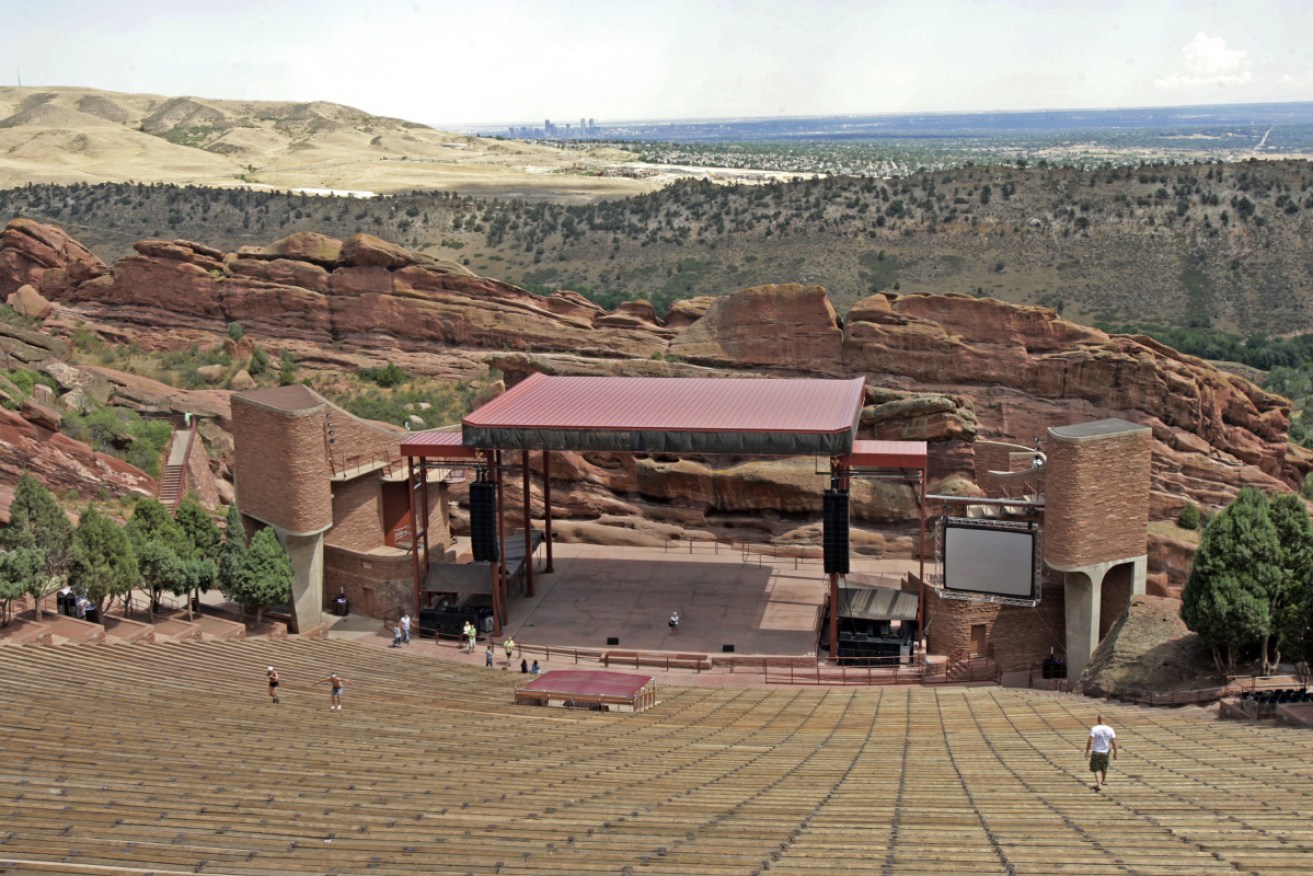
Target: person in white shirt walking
<point>1102,741</point>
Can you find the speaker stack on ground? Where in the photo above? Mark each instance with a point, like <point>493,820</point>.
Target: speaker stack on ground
<point>483,521</point>
<point>834,536</point>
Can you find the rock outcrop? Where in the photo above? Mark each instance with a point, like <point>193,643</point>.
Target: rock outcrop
<point>45,258</point>
<point>939,368</point>
<point>362,292</point>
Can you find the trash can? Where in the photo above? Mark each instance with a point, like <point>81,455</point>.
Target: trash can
<point>93,614</point>
<point>61,604</point>
<point>341,607</point>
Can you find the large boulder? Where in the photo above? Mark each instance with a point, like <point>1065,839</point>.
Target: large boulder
<point>45,258</point>
<point>306,246</point>
<point>26,301</point>
<point>788,327</point>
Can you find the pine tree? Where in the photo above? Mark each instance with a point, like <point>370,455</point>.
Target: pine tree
<point>22,572</point>
<point>1235,574</point>
<point>205,540</point>
<point>102,560</point>
<point>232,555</point>
<point>37,521</point>
<point>161,546</point>
<point>268,578</point>
<point>1293,606</point>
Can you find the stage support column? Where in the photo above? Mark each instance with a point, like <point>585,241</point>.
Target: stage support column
<point>528,528</point>
<point>501,538</point>
<point>837,470</point>
<point>494,571</point>
<point>547,507</point>
<point>414,541</point>
<point>920,599</point>
<point>834,615</point>
<point>1082,593</point>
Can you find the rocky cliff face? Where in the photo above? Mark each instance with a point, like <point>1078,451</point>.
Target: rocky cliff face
<point>941,368</point>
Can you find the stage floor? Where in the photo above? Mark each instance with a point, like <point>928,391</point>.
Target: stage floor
<point>597,592</point>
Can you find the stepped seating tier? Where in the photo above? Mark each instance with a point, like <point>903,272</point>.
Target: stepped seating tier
<point>170,758</point>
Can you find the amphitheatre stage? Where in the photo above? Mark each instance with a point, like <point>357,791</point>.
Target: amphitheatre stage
<point>759,604</point>
<point>127,759</point>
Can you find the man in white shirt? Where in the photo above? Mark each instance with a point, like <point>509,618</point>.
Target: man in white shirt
<point>1102,740</point>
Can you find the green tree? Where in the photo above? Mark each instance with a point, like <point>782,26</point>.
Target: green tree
<point>203,537</point>
<point>22,573</point>
<point>102,560</point>
<point>1189,517</point>
<point>259,362</point>
<point>200,575</point>
<point>161,569</point>
<point>236,332</point>
<point>268,574</point>
<point>232,555</point>
<point>287,369</point>
<point>205,541</point>
<point>161,546</point>
<point>1290,606</point>
<point>1236,571</point>
<point>37,521</point>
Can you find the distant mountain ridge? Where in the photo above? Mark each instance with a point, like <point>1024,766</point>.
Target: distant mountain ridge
<point>70,135</point>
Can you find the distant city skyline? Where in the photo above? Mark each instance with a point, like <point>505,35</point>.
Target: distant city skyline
<point>517,63</point>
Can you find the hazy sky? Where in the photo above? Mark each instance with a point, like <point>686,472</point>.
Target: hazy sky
<point>482,61</point>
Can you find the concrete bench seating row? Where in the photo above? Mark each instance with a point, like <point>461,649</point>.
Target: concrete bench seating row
<point>169,757</point>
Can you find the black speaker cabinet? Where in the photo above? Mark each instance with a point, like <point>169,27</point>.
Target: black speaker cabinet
<point>613,640</point>
<point>483,521</point>
<point>834,536</point>
<point>727,649</point>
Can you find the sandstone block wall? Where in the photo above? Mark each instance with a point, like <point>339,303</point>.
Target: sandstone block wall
<point>200,477</point>
<point>380,585</point>
<point>1017,638</point>
<point>357,442</point>
<point>1097,493</point>
<point>282,472</point>
<point>357,514</point>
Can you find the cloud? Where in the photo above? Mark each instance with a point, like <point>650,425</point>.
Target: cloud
<point>1208,61</point>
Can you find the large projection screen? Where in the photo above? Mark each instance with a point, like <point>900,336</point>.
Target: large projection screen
<point>981,559</point>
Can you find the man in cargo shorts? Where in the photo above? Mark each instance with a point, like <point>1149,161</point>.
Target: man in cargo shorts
<point>1102,739</point>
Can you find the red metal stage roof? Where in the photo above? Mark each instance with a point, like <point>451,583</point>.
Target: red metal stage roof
<point>887,454</point>
<point>446,445</point>
<point>709,415</point>
<point>589,683</point>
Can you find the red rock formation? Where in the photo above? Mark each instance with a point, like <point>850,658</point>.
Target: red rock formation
<point>787,327</point>
<point>44,257</point>
<point>941,368</point>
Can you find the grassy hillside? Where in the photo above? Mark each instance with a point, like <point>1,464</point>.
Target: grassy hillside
<point>74,135</point>
<point>1221,246</point>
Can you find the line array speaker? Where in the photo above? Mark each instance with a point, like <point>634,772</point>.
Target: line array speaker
<point>834,537</point>
<point>483,521</point>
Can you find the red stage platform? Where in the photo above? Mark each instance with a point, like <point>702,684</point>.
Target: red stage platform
<point>590,689</point>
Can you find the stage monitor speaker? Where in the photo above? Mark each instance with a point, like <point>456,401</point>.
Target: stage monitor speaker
<point>613,640</point>
<point>727,649</point>
<point>834,537</point>
<point>483,521</point>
